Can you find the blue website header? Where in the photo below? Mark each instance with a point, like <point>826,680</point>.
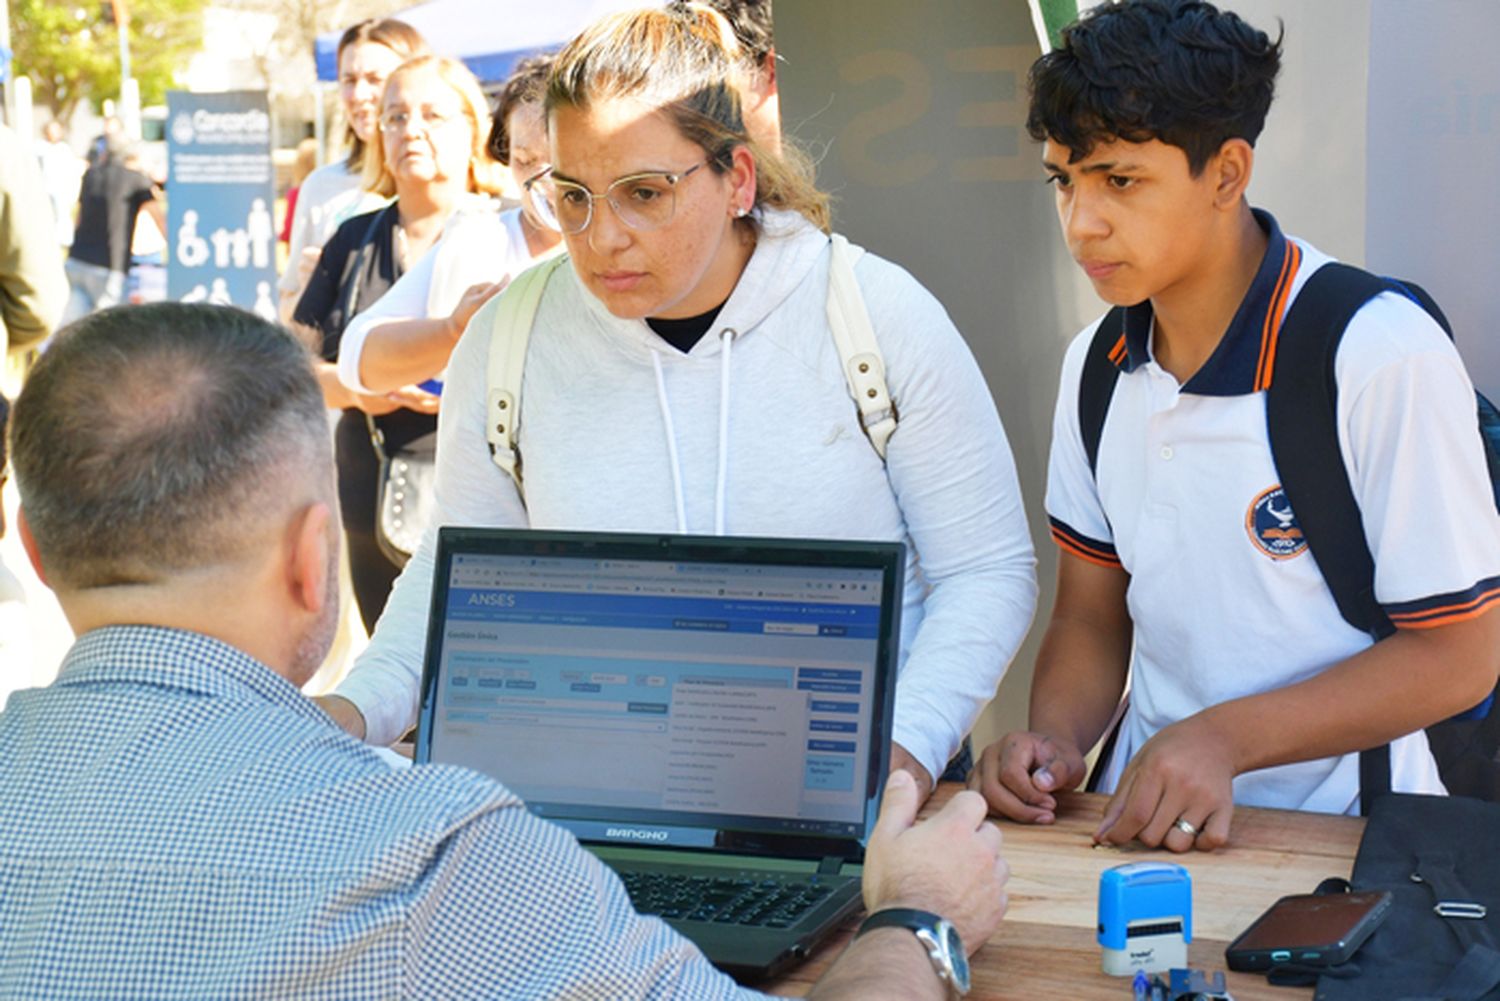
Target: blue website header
<point>792,618</point>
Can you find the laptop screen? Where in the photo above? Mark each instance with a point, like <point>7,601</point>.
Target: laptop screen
<point>725,688</point>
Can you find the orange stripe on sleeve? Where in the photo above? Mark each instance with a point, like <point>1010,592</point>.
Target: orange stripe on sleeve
<point>1072,546</point>
<point>1429,618</point>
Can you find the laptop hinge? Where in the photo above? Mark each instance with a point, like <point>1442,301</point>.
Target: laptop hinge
<point>831,865</point>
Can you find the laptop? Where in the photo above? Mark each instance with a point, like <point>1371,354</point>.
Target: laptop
<point>711,717</point>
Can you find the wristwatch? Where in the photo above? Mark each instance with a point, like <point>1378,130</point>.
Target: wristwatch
<point>944,947</point>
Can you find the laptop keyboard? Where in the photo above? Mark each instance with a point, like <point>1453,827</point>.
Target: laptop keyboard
<point>764,899</point>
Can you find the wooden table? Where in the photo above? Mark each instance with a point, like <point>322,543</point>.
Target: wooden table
<point>1046,947</point>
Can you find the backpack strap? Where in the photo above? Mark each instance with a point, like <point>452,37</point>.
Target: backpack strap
<point>859,352</point>
<point>1302,422</point>
<point>1096,384</point>
<point>515,313</point>
<point>510,333</point>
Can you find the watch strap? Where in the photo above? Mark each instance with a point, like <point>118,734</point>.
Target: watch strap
<point>899,917</point>
<point>929,929</point>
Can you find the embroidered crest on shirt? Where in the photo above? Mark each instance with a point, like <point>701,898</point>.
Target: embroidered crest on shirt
<point>1272,526</point>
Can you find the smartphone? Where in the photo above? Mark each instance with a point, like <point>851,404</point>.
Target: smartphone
<point>1309,930</point>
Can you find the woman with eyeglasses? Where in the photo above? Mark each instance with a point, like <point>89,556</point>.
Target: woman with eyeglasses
<point>407,337</point>
<point>367,53</point>
<point>682,376</point>
<point>433,160</point>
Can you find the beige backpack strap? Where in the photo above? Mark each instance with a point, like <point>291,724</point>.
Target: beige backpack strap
<point>510,333</point>
<point>864,368</point>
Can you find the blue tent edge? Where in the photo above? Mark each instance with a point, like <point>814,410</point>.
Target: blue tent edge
<point>491,67</point>
<point>490,36</point>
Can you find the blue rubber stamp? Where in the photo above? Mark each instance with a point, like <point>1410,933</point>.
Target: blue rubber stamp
<point>1145,917</point>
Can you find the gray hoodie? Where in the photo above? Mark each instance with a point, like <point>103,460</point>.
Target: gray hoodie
<point>752,432</point>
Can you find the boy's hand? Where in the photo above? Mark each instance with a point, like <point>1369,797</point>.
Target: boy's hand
<point>1018,774</point>
<point>1177,792</point>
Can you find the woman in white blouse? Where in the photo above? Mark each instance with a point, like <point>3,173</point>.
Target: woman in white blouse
<point>407,336</point>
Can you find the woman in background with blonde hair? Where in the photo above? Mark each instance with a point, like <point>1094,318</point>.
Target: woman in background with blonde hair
<point>408,336</point>
<point>432,125</point>
<point>682,376</point>
<point>367,53</point>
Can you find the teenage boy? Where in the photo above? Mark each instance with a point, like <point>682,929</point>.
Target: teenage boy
<point>1181,566</point>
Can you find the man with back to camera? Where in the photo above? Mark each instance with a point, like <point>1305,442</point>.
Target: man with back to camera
<point>181,820</point>
<point>1247,686</point>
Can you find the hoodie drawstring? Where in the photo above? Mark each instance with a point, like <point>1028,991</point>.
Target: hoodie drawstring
<point>666,416</point>
<point>726,337</point>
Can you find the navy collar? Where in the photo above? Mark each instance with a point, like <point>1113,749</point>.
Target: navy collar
<point>1246,354</point>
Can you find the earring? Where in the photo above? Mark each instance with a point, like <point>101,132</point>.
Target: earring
<point>741,212</point>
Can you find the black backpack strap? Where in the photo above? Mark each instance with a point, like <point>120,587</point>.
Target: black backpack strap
<point>1374,776</point>
<point>1096,385</point>
<point>1302,420</point>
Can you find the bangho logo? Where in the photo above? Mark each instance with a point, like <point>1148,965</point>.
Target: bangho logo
<point>636,834</point>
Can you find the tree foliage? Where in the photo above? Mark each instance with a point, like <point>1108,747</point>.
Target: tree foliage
<point>71,50</point>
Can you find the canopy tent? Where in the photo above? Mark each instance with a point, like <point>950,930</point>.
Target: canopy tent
<point>490,36</point>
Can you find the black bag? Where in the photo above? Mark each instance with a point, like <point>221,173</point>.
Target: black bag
<point>1437,857</point>
<point>405,500</point>
<point>404,486</point>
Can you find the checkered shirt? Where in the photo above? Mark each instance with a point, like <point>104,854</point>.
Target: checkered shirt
<point>177,821</point>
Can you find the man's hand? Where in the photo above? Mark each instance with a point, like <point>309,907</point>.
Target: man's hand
<point>1184,773</point>
<point>949,864</point>
<point>1018,774</point>
<point>468,304</point>
<point>901,760</point>
<point>345,713</point>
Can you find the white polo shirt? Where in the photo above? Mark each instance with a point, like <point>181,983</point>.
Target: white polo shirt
<point>1225,597</point>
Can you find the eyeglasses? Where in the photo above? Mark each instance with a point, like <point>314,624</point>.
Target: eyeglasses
<point>406,122</point>
<point>644,201</point>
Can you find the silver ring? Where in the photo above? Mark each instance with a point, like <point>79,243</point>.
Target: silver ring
<point>1186,828</point>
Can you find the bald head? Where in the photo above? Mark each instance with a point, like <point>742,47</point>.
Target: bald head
<point>152,442</point>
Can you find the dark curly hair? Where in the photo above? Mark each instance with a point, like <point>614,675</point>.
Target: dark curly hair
<point>1180,71</point>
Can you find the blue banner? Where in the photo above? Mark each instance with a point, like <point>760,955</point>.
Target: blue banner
<point>219,199</point>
